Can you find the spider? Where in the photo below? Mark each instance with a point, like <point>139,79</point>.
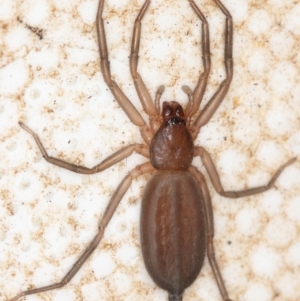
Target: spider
<point>176,216</point>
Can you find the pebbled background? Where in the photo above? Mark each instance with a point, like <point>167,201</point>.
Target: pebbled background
<point>50,78</point>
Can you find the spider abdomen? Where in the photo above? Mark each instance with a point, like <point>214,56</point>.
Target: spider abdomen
<point>173,230</point>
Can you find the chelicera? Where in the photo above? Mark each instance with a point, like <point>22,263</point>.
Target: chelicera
<point>176,216</point>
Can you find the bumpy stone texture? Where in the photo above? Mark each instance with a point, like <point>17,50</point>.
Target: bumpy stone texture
<point>50,78</point>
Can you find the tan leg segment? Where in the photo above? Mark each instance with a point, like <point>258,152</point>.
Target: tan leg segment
<point>210,231</point>
<point>141,89</point>
<point>218,97</point>
<point>111,160</point>
<point>121,98</point>
<point>202,82</point>
<point>215,179</point>
<point>112,205</point>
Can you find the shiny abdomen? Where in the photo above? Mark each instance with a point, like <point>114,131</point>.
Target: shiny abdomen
<point>173,230</point>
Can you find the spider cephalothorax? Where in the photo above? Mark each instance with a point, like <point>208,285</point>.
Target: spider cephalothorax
<point>172,145</point>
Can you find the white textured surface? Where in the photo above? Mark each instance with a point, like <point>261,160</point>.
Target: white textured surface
<point>54,84</point>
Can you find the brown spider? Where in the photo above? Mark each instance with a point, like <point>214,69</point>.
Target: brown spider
<point>176,216</point>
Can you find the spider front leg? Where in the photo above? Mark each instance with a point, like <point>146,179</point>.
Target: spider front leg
<point>110,210</point>
<point>132,113</point>
<point>218,97</point>
<point>197,95</point>
<point>134,58</point>
<point>123,101</point>
<point>109,161</point>
<point>144,96</point>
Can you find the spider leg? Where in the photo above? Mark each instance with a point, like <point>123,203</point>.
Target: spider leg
<point>121,98</point>
<point>202,82</point>
<point>218,97</point>
<point>210,231</point>
<point>109,161</point>
<point>140,86</point>
<point>215,179</point>
<point>110,209</point>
